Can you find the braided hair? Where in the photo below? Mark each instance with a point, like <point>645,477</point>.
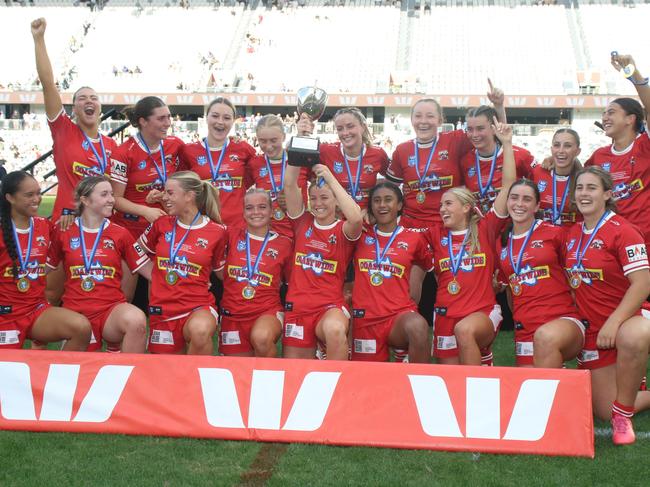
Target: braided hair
<point>10,185</point>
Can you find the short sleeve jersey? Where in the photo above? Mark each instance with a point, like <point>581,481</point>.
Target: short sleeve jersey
<point>373,163</point>
<point>275,264</point>
<point>616,250</point>
<point>25,297</point>
<point>630,170</point>
<point>74,160</point>
<point>114,246</point>
<point>565,213</point>
<point>488,190</point>
<point>262,179</point>
<point>474,275</point>
<point>540,291</point>
<point>199,254</point>
<point>132,166</point>
<point>381,289</point>
<point>320,261</point>
<point>232,178</point>
<point>443,173</point>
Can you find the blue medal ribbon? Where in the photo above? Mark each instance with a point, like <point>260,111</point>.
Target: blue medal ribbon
<point>101,161</point>
<point>557,212</point>
<point>28,253</point>
<point>88,260</point>
<point>252,270</point>
<point>276,188</point>
<point>162,173</point>
<point>484,189</point>
<point>214,170</point>
<point>380,255</point>
<point>516,266</point>
<point>455,260</point>
<point>421,177</point>
<point>173,251</point>
<point>353,187</point>
<point>581,251</point>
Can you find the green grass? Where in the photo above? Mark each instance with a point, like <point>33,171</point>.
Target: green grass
<point>67,459</point>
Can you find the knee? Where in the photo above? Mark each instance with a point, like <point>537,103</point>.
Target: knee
<point>633,339</point>
<point>416,329</point>
<point>464,333</point>
<point>201,332</point>
<point>262,338</point>
<point>544,339</point>
<point>135,322</point>
<point>79,326</point>
<point>335,330</point>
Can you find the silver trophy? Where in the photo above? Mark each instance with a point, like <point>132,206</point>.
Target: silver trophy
<point>302,150</point>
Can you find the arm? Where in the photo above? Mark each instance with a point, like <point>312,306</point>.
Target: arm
<point>53,105</point>
<point>353,218</point>
<point>126,206</point>
<point>292,194</point>
<point>504,134</point>
<point>634,297</point>
<point>620,61</point>
<point>145,270</point>
<point>497,98</point>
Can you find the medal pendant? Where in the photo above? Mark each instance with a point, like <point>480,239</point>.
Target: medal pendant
<point>516,288</point>
<point>421,197</point>
<point>23,284</point>
<point>278,214</point>
<point>248,292</point>
<point>376,279</point>
<point>171,278</point>
<point>87,284</point>
<point>358,197</point>
<point>453,287</point>
<point>575,281</point>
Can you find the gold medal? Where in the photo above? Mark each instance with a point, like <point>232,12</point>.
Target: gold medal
<point>376,279</point>
<point>248,292</point>
<point>87,284</point>
<point>171,277</point>
<point>278,214</point>
<point>23,285</point>
<point>453,287</point>
<point>421,197</point>
<point>575,281</point>
<point>516,288</point>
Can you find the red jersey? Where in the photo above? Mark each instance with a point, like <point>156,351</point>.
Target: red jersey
<point>233,177</point>
<point>567,213</point>
<point>617,249</point>
<point>524,160</point>
<point>105,274</point>
<point>275,264</point>
<point>75,159</point>
<point>132,166</point>
<point>382,290</point>
<point>24,296</point>
<point>540,292</point>
<point>320,261</point>
<point>373,162</point>
<point>474,277</point>
<point>443,173</point>
<point>183,285</point>
<point>630,170</point>
<point>262,179</point>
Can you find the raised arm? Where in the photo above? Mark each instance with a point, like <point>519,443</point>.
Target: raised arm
<point>292,193</point>
<point>353,218</point>
<point>497,98</point>
<point>620,62</point>
<point>504,134</point>
<point>51,95</point>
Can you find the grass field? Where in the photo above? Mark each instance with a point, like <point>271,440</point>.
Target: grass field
<point>60,459</point>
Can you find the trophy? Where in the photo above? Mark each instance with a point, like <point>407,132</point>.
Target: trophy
<point>302,150</point>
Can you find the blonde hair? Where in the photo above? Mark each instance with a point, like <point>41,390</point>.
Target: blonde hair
<point>466,197</point>
<point>84,188</point>
<point>366,137</point>
<point>270,121</point>
<point>253,191</point>
<point>206,196</point>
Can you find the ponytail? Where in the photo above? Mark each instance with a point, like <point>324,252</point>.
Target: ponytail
<point>466,197</point>
<point>206,196</point>
<point>10,186</point>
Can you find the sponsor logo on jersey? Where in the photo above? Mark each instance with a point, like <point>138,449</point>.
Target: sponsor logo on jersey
<point>241,274</point>
<point>33,271</point>
<point>471,172</point>
<point>537,244</point>
<point>636,253</point>
<point>202,243</point>
<point>201,160</point>
<point>530,275</point>
<point>338,167</point>
<point>241,245</point>
<point>587,275</point>
<point>97,272</point>
<point>597,244</point>
<point>227,183</point>
<point>432,183</point>
<point>168,237</point>
<point>108,243</point>
<point>83,171</point>
<point>142,164</point>
<point>315,263</point>
<point>41,241</point>
<point>368,169</point>
<point>467,264</point>
<point>273,253</point>
<point>623,191</point>
<point>411,161</point>
<point>443,155</point>
<point>369,240</point>
<point>444,241</point>
<point>181,266</point>
<point>146,187</point>
<point>607,166</point>
<point>75,243</point>
<point>263,172</point>
<point>387,268</point>
<point>332,239</point>
<point>233,157</point>
<point>504,253</point>
<point>402,245</point>
<point>541,186</point>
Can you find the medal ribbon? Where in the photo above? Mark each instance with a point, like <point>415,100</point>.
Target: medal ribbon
<point>380,255</point>
<point>456,260</point>
<point>162,173</point>
<point>516,266</point>
<point>581,251</point>
<point>214,170</point>
<point>557,212</point>
<point>276,187</point>
<point>88,261</point>
<point>421,177</point>
<point>173,251</point>
<point>28,253</point>
<point>353,187</point>
<point>484,189</point>
<point>101,161</point>
<point>251,269</point>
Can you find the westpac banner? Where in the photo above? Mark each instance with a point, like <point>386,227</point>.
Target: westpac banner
<point>498,410</point>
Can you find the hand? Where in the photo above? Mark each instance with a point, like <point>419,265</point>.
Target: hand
<point>235,138</point>
<point>305,125</point>
<point>368,219</point>
<point>38,27</point>
<point>321,171</point>
<point>548,163</point>
<point>495,95</point>
<point>619,61</point>
<point>503,131</point>
<point>282,201</point>
<point>607,335</point>
<point>497,285</point>
<point>65,221</point>
<point>152,214</point>
<point>154,196</point>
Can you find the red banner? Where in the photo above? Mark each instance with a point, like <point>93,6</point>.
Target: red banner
<point>486,409</point>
